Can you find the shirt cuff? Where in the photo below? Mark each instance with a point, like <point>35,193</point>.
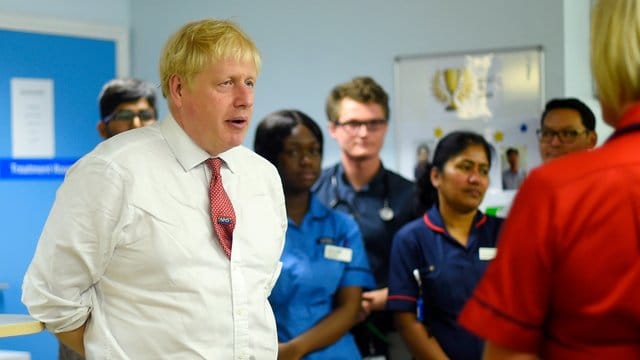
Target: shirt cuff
<point>493,325</point>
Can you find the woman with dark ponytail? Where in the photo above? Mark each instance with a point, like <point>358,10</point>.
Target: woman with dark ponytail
<point>437,260</point>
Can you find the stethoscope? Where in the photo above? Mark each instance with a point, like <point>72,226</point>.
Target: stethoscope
<point>386,212</point>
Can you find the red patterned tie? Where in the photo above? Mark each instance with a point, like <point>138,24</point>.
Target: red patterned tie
<point>222,214</point>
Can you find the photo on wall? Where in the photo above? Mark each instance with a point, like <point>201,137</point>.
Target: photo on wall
<point>514,166</point>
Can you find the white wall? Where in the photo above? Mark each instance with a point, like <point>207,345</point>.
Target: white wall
<point>577,75</point>
<point>309,46</point>
<point>97,12</point>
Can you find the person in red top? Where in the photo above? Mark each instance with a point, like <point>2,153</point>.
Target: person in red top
<point>566,280</point>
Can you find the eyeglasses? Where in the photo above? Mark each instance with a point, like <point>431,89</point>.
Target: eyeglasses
<point>145,115</point>
<point>353,126</point>
<point>565,136</point>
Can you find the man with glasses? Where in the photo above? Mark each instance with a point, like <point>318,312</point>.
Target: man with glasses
<point>126,104</point>
<point>380,200</point>
<point>567,125</point>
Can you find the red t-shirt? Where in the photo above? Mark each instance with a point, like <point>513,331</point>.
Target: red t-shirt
<point>566,279</point>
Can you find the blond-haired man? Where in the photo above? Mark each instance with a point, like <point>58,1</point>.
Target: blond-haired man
<point>129,264</point>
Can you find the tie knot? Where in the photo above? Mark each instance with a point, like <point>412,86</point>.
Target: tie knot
<point>214,165</point>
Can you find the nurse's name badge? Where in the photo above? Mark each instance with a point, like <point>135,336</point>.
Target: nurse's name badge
<point>338,253</point>
<point>487,253</point>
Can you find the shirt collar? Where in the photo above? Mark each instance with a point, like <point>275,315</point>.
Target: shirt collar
<point>187,152</point>
<point>316,209</point>
<point>433,220</point>
<point>376,180</point>
<point>630,116</point>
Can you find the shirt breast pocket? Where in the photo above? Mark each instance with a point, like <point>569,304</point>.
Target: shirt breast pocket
<point>259,233</point>
<point>436,290</point>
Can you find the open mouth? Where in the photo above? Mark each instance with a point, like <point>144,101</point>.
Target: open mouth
<point>239,122</point>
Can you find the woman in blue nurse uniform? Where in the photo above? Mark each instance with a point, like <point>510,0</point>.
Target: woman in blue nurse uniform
<point>317,296</point>
<point>437,260</point>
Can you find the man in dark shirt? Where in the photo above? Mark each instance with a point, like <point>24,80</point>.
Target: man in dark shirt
<point>380,200</point>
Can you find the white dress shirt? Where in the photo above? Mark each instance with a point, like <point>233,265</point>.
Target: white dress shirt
<point>129,245</point>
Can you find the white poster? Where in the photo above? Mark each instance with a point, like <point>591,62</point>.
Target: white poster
<point>495,93</point>
<point>32,124</point>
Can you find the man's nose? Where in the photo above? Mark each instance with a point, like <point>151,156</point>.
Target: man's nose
<point>555,140</point>
<point>136,122</point>
<point>244,97</point>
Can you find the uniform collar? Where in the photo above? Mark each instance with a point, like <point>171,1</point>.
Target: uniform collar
<point>630,116</point>
<point>186,151</point>
<point>433,220</point>
<point>376,180</point>
<point>317,211</point>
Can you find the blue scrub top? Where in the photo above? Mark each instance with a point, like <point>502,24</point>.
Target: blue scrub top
<point>333,190</point>
<point>448,271</point>
<point>305,290</point>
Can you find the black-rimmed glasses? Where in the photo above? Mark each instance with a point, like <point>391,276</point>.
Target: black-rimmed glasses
<point>353,126</point>
<point>128,116</point>
<point>565,136</point>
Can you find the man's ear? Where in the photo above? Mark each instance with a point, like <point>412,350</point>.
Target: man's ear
<point>176,87</point>
<point>593,138</point>
<point>332,129</point>
<point>102,129</point>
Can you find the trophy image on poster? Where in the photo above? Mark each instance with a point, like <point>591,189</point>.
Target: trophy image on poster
<point>458,86</point>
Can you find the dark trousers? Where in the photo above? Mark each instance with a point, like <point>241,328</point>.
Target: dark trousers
<point>371,334</point>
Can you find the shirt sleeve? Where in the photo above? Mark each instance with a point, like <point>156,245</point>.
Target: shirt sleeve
<point>75,245</point>
<point>403,287</point>
<point>279,207</point>
<point>510,304</point>
<point>357,272</point>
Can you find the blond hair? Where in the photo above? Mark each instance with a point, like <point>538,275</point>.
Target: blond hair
<point>615,52</point>
<point>198,44</point>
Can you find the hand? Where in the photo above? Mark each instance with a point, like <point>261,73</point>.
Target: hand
<point>375,300</point>
<point>288,351</point>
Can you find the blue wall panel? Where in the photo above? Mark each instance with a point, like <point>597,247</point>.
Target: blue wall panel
<point>78,66</point>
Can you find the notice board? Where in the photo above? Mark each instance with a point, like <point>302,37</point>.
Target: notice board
<point>51,73</point>
<point>497,93</point>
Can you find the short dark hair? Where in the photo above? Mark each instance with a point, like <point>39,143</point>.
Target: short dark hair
<point>587,116</point>
<point>511,151</point>
<point>422,146</point>
<point>276,127</point>
<point>118,91</point>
